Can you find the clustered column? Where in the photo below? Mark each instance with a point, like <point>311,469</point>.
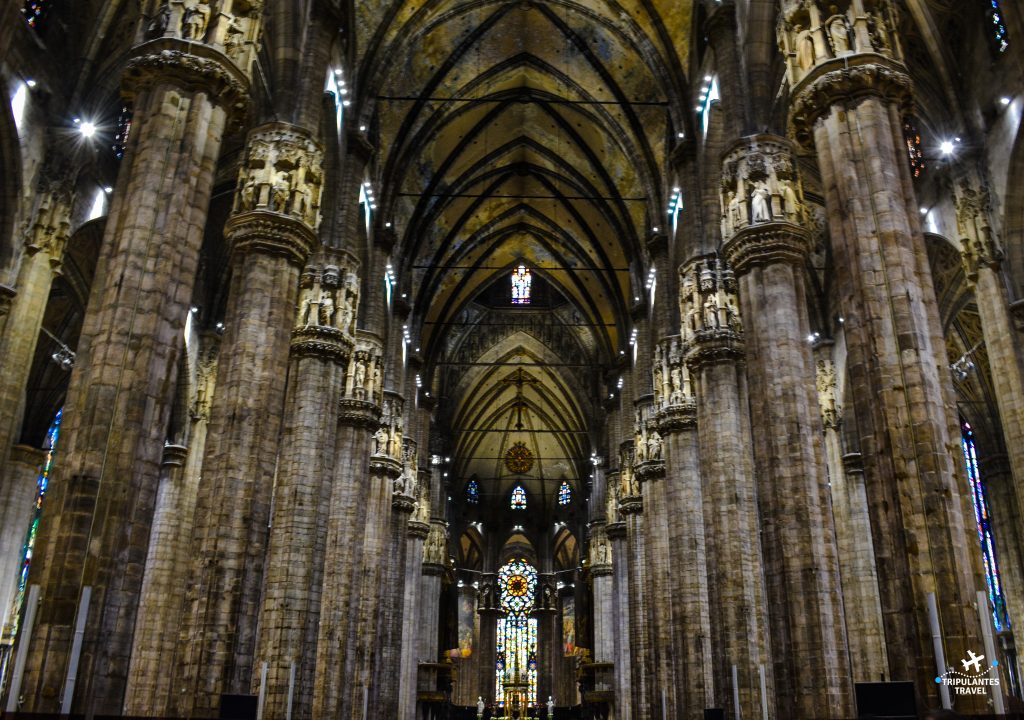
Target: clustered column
<point>690,637</point>
<point>849,90</point>
<point>768,248</point>
<point>118,403</point>
<point>712,341</point>
<point>322,342</point>
<point>271,235</point>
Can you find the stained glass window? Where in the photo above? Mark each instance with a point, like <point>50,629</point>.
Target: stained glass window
<point>518,499</point>
<point>472,492</point>
<point>517,632</point>
<point>994,583</point>
<point>912,137</point>
<point>997,32</point>
<point>564,493</point>
<point>30,538</point>
<point>35,12</point>
<point>521,282</point>
<point>124,126</point>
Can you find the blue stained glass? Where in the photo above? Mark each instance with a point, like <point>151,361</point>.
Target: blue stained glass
<point>35,12</point>
<point>996,596</point>
<point>472,492</point>
<point>518,499</point>
<point>30,538</point>
<point>999,35</point>
<point>564,493</point>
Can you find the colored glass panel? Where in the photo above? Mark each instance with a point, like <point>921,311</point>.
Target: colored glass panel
<point>518,499</point>
<point>564,493</point>
<point>517,632</point>
<point>993,580</point>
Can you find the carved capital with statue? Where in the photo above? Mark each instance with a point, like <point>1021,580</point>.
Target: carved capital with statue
<point>648,459</point>
<point>709,311</point>
<point>831,414</point>
<point>675,403</point>
<point>764,216</point>
<point>328,306</point>
<point>360,404</point>
<point>405,486</point>
<point>230,27</point>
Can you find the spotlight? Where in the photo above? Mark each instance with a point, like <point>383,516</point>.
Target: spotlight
<point>32,84</point>
<point>1004,100</point>
<point>108,189</point>
<point>946,147</point>
<point>87,129</point>
<point>924,211</point>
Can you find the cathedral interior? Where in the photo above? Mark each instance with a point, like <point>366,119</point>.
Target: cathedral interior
<point>423,359</point>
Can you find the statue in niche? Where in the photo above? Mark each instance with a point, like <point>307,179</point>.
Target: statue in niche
<point>346,316</point>
<point>804,47</point>
<point>641,451</point>
<point>326,310</point>
<point>790,201</point>
<point>480,707</point>
<point>839,31</point>
<point>382,441</point>
<point>733,317</point>
<point>308,308</point>
<point>233,38</point>
<point>280,191</point>
<point>654,446</point>
<point>193,24</point>
<point>158,24</point>
<point>360,375</point>
<point>711,312</point>
<point>879,37</point>
<point>396,438</point>
<point>551,707</point>
<point>677,384</point>
<point>760,210</point>
<point>398,486</point>
<point>658,379</point>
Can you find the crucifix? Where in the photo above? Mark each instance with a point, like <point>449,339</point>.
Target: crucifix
<point>519,378</point>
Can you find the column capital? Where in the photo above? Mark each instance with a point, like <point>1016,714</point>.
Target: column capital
<point>831,414</point>
<point>27,455</point>
<point>192,67</point>
<point>647,442</point>
<point>7,295</point>
<point>360,405</point>
<point>979,246</point>
<point>1016,311</point>
<point>674,396</point>
<point>711,327</point>
<point>616,530</point>
<point>418,529</point>
<point>846,81</point>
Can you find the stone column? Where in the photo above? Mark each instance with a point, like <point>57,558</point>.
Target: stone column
<point>861,604</point>
<point>769,254</point>
<point>649,470</point>
<point>419,528</point>
<point>600,558</point>
<point>119,400</point>
<point>150,690</point>
<point>982,259</point>
<point>690,635</point>
<point>849,104</point>
<point>385,691</point>
<point>489,610</point>
<point>360,411</point>
<point>271,235</point>
<point>616,533</point>
<point>386,475</point>
<point>712,342</point>
<point>40,264</point>
<point>17,508</point>
<point>321,345</point>
<point>549,638</point>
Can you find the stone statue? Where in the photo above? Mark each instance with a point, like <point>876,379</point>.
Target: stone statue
<point>804,48</point>
<point>307,308</point>
<point>551,707</point>
<point>281,191</point>
<point>760,210</point>
<point>840,34</point>
<point>346,316</point>
<point>792,204</point>
<point>654,446</point>
<point>158,25</point>
<point>360,374</point>
<point>326,311</point>
<point>193,25</point>
<point>381,438</point>
<point>711,312</point>
<point>480,707</point>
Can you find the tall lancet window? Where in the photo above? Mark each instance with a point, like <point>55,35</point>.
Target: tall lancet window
<point>997,30</point>
<point>993,581</point>
<point>521,282</point>
<point>516,663</point>
<point>564,493</point>
<point>42,483</point>
<point>35,12</point>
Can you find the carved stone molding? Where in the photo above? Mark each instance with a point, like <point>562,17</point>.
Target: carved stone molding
<point>650,470</point>
<point>328,343</point>
<point>193,67</point>
<point>174,455</point>
<point>268,232</point>
<point>1016,311</point>
<point>776,242</point>
<point>418,529</point>
<point>388,439</point>
<point>386,467</point>
<point>831,415</point>
<point>647,440</point>
<point>435,549</point>
<point>358,413</point>
<point>615,530</point>
<point>674,398</point>
<point>403,503</point>
<point>631,505</point>
<point>846,81</point>
<point>677,418</point>
<point>27,455</point>
<point>7,295</point>
<point>979,246</point>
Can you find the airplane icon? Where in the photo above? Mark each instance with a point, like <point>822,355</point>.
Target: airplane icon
<point>975,661</point>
